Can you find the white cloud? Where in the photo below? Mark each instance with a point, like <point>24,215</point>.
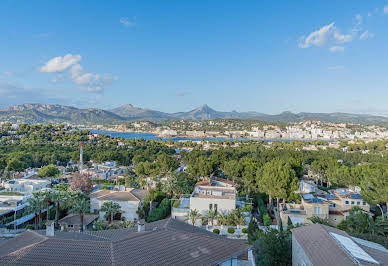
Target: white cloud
<point>126,22</point>
<point>336,68</point>
<point>89,82</point>
<point>338,49</point>
<point>366,34</point>
<point>60,64</point>
<point>342,38</point>
<point>386,9</point>
<point>327,34</point>
<point>318,37</point>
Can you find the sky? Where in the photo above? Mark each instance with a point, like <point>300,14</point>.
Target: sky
<point>265,56</point>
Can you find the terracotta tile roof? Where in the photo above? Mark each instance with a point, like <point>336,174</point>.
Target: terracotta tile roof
<point>75,219</point>
<point>165,242</point>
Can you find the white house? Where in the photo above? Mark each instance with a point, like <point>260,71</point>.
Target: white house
<point>215,193</point>
<point>129,202</point>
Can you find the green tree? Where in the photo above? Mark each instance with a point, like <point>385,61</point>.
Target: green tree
<point>48,171</point>
<point>15,164</point>
<point>193,216</point>
<point>212,215</point>
<point>273,247</point>
<point>35,205</point>
<point>278,180</point>
<point>374,184</point>
<point>59,197</point>
<point>111,208</point>
<point>80,207</point>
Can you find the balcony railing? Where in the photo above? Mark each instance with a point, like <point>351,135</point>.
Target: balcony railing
<point>180,210</point>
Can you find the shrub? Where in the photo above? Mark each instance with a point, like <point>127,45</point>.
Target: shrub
<point>244,231</point>
<point>231,230</point>
<point>176,203</point>
<point>248,208</point>
<point>216,231</point>
<point>267,219</point>
<point>161,212</point>
<point>29,227</point>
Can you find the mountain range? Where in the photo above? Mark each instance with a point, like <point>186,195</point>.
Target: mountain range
<point>55,113</point>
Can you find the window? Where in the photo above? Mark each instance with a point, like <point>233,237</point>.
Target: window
<point>215,207</point>
<point>317,210</point>
<point>347,202</point>
<point>358,203</point>
<point>210,206</point>
<point>352,203</point>
<point>332,205</point>
<point>364,203</point>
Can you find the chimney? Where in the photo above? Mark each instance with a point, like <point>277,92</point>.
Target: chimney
<point>141,226</point>
<point>49,228</point>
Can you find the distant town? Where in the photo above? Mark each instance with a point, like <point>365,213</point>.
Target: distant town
<point>220,128</point>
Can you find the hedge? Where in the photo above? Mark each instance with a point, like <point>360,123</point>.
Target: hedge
<point>161,212</point>
<point>244,231</point>
<point>217,231</point>
<point>267,221</point>
<point>231,230</point>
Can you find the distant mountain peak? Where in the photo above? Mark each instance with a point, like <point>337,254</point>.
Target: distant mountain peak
<point>55,113</point>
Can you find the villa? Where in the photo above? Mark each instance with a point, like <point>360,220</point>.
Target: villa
<point>333,206</point>
<point>211,194</point>
<point>129,201</point>
<point>164,242</point>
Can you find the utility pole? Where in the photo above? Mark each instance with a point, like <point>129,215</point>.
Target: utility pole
<point>81,161</point>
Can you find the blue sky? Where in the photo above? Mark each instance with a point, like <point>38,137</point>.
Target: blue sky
<point>266,56</point>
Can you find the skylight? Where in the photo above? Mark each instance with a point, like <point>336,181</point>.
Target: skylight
<point>352,248</point>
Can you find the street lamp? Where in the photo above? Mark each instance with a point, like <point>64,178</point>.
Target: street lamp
<point>382,213</point>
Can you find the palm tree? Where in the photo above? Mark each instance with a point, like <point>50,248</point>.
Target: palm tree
<point>35,205</point>
<point>111,208</point>
<point>193,215</point>
<point>39,197</point>
<point>212,215</point>
<point>223,218</point>
<point>80,207</point>
<point>59,198</point>
<point>46,196</point>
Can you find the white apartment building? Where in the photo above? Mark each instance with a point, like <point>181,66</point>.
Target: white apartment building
<point>26,186</point>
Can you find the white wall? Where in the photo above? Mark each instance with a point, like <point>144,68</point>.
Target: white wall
<point>202,204</point>
<point>128,208</point>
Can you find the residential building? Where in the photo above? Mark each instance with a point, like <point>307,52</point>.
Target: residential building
<point>72,222</point>
<point>319,244</point>
<point>165,242</point>
<point>129,201</point>
<point>333,206</point>
<point>14,210</point>
<point>214,193</point>
<point>342,201</point>
<point>25,186</point>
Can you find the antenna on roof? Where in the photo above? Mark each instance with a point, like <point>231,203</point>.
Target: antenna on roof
<point>81,151</point>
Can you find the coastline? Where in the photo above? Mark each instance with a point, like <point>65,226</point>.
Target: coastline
<point>215,137</point>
